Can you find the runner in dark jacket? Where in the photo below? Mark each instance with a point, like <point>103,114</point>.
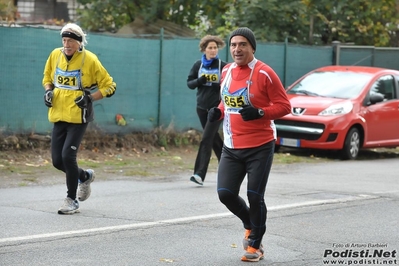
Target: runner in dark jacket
<point>205,76</point>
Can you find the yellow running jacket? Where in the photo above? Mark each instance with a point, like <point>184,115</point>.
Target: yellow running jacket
<point>70,79</point>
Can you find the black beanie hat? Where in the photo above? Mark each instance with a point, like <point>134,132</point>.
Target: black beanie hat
<point>247,33</point>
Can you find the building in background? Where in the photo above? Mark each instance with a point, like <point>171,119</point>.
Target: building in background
<point>38,11</point>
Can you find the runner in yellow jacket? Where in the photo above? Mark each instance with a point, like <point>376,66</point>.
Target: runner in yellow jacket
<point>73,78</point>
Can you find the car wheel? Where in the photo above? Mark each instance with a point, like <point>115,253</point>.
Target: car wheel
<point>351,145</point>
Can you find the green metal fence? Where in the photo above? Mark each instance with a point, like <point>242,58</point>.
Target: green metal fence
<point>387,57</point>
<point>150,74</point>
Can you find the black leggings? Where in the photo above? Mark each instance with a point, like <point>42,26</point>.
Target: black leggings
<point>65,142</point>
<point>256,164</point>
<point>210,140</point>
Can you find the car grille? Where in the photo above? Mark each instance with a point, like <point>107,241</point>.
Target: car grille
<point>298,129</point>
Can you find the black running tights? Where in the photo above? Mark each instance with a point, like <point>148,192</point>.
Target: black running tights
<point>234,165</point>
<point>65,142</point>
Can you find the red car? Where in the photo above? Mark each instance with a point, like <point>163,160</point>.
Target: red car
<point>343,108</point>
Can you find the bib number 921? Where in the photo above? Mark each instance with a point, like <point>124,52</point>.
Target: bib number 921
<point>69,81</point>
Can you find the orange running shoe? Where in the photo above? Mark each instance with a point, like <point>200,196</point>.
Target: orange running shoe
<point>252,255</point>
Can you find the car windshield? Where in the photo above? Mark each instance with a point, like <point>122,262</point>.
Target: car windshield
<point>337,84</point>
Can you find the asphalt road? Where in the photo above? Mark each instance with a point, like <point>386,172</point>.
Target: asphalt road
<point>341,212</point>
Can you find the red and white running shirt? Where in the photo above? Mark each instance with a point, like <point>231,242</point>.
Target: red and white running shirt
<point>254,84</point>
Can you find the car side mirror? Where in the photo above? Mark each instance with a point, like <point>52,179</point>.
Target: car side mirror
<point>376,98</point>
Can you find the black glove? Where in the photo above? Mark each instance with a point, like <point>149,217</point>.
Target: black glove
<point>214,114</point>
<point>202,80</point>
<point>84,100</point>
<point>48,98</point>
<point>248,112</point>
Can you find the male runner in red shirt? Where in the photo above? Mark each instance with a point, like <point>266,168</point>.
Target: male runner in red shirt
<point>252,97</point>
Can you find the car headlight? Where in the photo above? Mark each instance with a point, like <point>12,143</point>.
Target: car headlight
<point>338,109</point>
